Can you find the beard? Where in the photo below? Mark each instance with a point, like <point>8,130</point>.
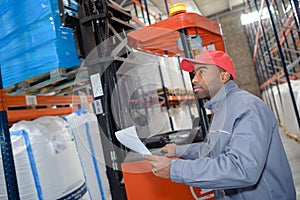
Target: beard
<point>203,94</point>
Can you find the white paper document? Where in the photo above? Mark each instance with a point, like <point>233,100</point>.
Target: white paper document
<point>130,139</point>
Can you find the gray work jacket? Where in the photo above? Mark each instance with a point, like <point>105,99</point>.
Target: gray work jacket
<point>243,157</point>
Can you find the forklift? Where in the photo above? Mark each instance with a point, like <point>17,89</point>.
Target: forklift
<point>107,42</point>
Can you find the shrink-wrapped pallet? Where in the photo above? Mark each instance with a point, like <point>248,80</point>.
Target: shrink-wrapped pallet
<point>32,40</point>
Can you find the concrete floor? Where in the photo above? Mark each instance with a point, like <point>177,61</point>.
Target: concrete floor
<point>292,149</point>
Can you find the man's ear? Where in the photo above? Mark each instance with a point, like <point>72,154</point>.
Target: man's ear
<point>225,76</point>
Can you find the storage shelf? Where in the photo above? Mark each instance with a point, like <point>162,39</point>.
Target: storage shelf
<point>32,107</point>
<point>274,44</point>
<point>17,115</point>
<point>21,100</point>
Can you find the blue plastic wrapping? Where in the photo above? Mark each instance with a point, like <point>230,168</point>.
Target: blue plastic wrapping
<point>32,40</point>
<point>71,4</point>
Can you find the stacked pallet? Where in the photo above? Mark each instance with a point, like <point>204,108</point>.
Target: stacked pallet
<point>32,40</point>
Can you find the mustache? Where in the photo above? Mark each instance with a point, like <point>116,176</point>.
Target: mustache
<point>197,86</point>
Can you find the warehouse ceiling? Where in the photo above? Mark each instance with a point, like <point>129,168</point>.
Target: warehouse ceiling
<point>207,8</point>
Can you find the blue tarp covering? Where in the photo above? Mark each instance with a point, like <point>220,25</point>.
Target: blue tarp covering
<point>32,40</point>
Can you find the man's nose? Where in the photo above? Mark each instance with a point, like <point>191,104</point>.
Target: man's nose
<point>194,80</point>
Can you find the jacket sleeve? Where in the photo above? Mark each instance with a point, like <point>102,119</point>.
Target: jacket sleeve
<point>192,151</point>
<point>242,161</point>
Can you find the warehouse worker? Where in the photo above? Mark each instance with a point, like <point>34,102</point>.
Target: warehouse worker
<point>243,157</point>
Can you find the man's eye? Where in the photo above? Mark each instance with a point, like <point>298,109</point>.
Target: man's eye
<point>201,71</point>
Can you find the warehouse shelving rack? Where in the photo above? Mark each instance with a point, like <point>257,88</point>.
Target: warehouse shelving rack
<point>18,106</point>
<point>28,107</point>
<point>274,44</point>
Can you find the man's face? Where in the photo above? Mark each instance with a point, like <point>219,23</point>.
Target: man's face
<point>207,80</point>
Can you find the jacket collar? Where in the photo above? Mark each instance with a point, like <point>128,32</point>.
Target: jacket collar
<point>216,102</point>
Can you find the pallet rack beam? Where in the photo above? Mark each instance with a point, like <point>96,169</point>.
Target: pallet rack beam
<point>17,115</point>
<point>55,106</point>
<point>30,100</point>
<point>134,18</point>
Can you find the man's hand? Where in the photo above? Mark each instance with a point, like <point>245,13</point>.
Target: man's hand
<point>160,165</point>
<point>169,150</point>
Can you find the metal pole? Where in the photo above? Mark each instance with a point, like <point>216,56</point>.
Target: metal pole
<point>184,85</point>
<point>272,67</point>
<point>6,150</point>
<point>142,11</point>
<point>147,12</point>
<point>250,30</point>
<point>167,7</point>
<point>166,97</point>
<point>199,102</point>
<point>292,32</point>
<point>284,64</point>
<point>296,12</point>
<point>135,10</point>
<point>286,46</point>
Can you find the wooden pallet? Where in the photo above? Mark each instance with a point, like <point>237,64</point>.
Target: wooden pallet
<point>57,81</point>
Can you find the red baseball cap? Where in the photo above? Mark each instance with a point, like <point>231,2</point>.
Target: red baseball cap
<point>210,57</point>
